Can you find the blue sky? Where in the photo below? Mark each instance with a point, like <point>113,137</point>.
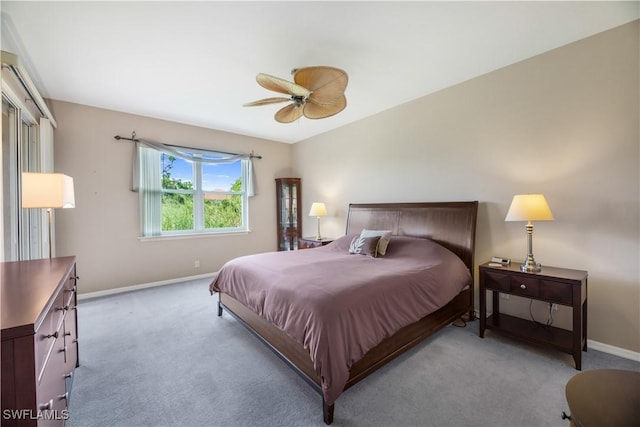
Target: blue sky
<point>214,176</point>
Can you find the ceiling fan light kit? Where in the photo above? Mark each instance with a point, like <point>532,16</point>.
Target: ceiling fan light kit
<point>316,92</point>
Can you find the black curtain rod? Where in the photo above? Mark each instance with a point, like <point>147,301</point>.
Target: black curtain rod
<point>134,139</point>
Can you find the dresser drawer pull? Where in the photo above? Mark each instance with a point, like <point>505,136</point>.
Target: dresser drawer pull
<point>53,335</point>
<point>522,286</point>
<point>63,308</point>
<point>64,396</point>
<point>67,334</point>
<point>63,349</point>
<point>69,375</point>
<point>46,406</point>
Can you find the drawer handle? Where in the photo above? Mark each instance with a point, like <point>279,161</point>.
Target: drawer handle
<point>69,375</point>
<point>63,349</point>
<point>46,406</point>
<point>63,308</point>
<point>522,286</point>
<point>565,416</point>
<point>53,335</point>
<point>64,396</point>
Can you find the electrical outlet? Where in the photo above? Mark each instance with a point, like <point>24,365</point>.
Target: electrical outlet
<point>554,307</point>
<point>196,263</point>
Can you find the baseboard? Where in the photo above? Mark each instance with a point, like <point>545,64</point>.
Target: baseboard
<point>616,351</point>
<point>106,292</point>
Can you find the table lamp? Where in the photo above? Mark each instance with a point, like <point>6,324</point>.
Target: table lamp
<point>529,207</point>
<point>49,191</point>
<point>318,209</point>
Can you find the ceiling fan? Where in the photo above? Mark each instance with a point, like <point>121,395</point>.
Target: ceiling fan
<point>318,92</point>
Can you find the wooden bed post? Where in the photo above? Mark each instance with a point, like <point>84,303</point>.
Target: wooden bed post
<point>327,412</point>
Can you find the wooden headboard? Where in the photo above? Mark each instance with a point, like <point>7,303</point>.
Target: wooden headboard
<point>451,224</point>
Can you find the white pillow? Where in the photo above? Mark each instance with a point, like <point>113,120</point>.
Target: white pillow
<point>385,235</point>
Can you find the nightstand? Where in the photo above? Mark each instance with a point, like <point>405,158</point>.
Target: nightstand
<point>312,242</point>
<point>553,285</point>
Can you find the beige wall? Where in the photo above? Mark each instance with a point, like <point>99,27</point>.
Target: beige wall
<point>565,123</point>
<point>103,229</point>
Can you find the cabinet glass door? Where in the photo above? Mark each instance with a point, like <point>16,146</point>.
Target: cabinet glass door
<point>289,221</point>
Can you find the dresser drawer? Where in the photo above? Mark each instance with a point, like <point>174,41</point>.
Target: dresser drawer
<point>70,342</point>
<point>70,282</point>
<point>497,281</point>
<point>49,332</point>
<point>547,290</point>
<point>51,390</point>
<point>525,286</point>
<point>558,292</point>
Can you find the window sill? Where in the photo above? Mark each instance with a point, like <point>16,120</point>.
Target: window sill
<point>192,235</point>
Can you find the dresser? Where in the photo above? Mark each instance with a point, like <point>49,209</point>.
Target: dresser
<point>39,340</point>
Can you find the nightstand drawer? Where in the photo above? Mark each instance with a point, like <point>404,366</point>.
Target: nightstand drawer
<point>561,293</point>
<point>525,286</point>
<point>497,281</point>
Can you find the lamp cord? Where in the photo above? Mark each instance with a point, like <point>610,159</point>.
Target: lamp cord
<point>549,321</point>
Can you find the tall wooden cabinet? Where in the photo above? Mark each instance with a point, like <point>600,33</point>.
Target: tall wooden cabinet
<point>289,217</point>
<point>39,340</point>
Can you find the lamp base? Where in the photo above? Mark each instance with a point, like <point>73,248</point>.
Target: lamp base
<point>530,266</point>
<point>318,236</point>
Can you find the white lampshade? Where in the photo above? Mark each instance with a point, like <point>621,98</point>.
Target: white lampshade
<point>318,209</point>
<point>47,190</point>
<point>529,207</point>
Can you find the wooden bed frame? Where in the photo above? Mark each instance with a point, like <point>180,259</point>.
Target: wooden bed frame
<point>451,224</point>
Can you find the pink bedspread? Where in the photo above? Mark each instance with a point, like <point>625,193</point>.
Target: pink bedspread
<point>340,305</point>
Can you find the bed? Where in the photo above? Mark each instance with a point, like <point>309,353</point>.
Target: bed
<point>305,305</point>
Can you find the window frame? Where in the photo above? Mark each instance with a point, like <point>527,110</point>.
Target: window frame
<point>198,194</point>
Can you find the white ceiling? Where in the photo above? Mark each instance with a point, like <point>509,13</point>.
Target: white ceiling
<point>195,62</point>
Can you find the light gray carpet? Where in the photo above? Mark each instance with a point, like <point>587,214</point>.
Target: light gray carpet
<point>162,357</point>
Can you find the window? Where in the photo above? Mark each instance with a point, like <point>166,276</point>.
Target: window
<point>200,192</point>
<point>23,236</point>
<point>27,146</point>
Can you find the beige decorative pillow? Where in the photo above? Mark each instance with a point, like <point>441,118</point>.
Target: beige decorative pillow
<point>364,245</point>
<point>385,235</point>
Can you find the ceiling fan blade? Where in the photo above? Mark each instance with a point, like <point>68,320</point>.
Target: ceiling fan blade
<point>320,111</point>
<point>289,114</point>
<point>327,84</point>
<point>266,101</point>
<point>277,84</point>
